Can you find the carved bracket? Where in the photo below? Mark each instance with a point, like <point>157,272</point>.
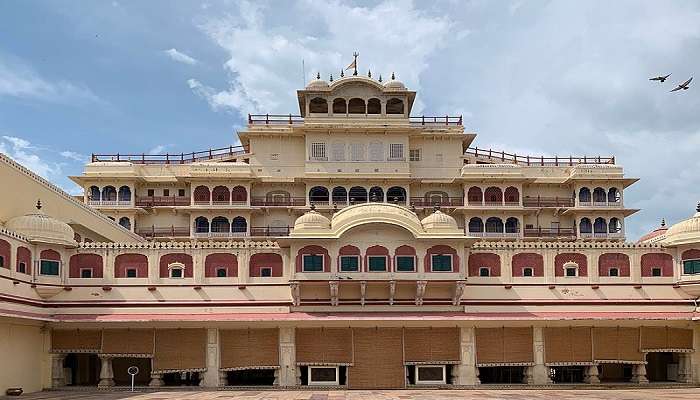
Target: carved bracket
<point>295,287</point>
<point>392,290</point>
<point>459,291</point>
<point>363,291</point>
<point>334,292</point>
<point>420,291</point>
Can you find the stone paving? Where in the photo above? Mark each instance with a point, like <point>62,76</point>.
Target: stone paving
<point>511,394</point>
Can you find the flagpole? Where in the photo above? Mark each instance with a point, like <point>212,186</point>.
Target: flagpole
<point>355,54</point>
<point>303,73</point>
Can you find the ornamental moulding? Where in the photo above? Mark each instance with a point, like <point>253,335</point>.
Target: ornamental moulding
<point>482,245</point>
<point>267,244</point>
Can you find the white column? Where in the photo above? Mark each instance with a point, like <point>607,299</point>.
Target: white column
<point>57,377</point>
<point>538,374</point>
<point>591,375</point>
<point>639,374</point>
<point>466,373</point>
<point>211,375</point>
<point>106,372</point>
<point>287,374</point>
<point>156,380</point>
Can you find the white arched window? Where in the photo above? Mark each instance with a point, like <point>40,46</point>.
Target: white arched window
<point>570,269</point>
<point>176,270</point>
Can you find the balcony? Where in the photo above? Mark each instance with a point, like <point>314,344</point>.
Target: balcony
<point>289,119</point>
<point>548,202</point>
<point>559,232</point>
<point>600,204</point>
<point>488,235</point>
<point>163,232</point>
<point>503,157</point>
<point>601,235</point>
<point>278,201</point>
<point>162,201</point>
<point>270,231</point>
<point>182,158</point>
<point>220,234</point>
<point>109,203</point>
<point>419,202</point>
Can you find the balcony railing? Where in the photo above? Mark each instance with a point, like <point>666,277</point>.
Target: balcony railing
<point>502,156</point>
<point>601,235</point>
<point>109,203</point>
<point>182,158</point>
<point>219,234</point>
<point>168,231</point>
<point>600,204</point>
<point>494,234</point>
<point>162,201</point>
<point>278,202</point>
<point>289,119</point>
<point>548,202</point>
<point>540,232</point>
<point>270,230</point>
<point>442,202</point>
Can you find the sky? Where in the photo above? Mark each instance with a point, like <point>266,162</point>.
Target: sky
<point>531,77</point>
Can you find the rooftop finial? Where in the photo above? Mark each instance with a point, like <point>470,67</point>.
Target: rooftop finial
<point>354,63</point>
<point>369,73</point>
<point>318,75</point>
<point>331,80</point>
<point>342,74</point>
<point>380,78</point>
<point>663,222</point>
<point>697,208</point>
<point>393,76</point>
<point>313,206</point>
<point>38,204</point>
<point>436,207</point>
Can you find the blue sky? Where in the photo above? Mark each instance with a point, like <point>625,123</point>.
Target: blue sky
<point>537,77</point>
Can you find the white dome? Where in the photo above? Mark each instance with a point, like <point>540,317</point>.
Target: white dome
<point>684,232</point>
<point>439,221</point>
<point>312,220</point>
<point>40,228</point>
<point>317,83</point>
<point>395,84</point>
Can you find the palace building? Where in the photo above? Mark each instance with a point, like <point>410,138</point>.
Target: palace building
<point>353,245</point>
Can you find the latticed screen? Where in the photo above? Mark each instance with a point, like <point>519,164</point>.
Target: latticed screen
<point>441,262</point>
<point>414,154</point>
<point>357,152</point>
<point>318,151</point>
<point>396,151</point>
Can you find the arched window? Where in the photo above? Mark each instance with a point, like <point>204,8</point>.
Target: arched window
<point>585,226</point>
<point>201,225</point>
<point>220,195</point>
<point>94,193</point>
<point>599,225</point>
<point>318,105</point>
<point>124,193</point>
<point>358,194</point>
<point>512,195</point>
<point>396,194</point>
<point>474,195</point>
<point>109,193</point>
<point>512,225</point>
<point>394,106</point>
<point>239,225</point>
<point>376,194</point>
<point>614,226</point>
<point>318,194</point>
<point>176,270</point>
<point>356,106</point>
<point>613,195</point>
<point>277,197</point>
<point>340,195</point>
<point>125,222</point>
<point>339,106</point>
<point>494,225</point>
<point>493,195</point>
<point>374,106</point>
<point>239,195</point>
<point>436,198</point>
<point>584,195</point>
<point>201,194</point>
<point>220,225</point>
<point>527,271</point>
<point>476,225</point>
<point>599,195</point>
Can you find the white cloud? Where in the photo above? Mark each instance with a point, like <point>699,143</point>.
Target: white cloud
<point>159,149</point>
<point>266,58</point>
<point>21,81</point>
<point>180,57</point>
<point>74,156</point>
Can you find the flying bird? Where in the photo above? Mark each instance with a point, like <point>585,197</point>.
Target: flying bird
<point>683,85</point>
<point>661,79</point>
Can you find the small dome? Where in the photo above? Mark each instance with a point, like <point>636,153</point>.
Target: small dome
<point>394,83</point>
<point>312,220</point>
<point>684,232</point>
<point>317,83</point>
<point>40,228</point>
<point>655,235</point>
<point>439,221</point>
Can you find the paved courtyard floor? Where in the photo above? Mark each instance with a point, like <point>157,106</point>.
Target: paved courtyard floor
<point>579,394</point>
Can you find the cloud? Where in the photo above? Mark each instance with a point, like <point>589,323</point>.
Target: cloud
<point>21,81</point>
<point>180,57</point>
<point>159,149</point>
<point>74,156</point>
<point>265,57</point>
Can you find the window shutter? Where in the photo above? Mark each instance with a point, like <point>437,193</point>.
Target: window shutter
<point>396,151</point>
<point>338,151</point>
<point>357,151</point>
<point>318,151</point>
<point>376,151</point>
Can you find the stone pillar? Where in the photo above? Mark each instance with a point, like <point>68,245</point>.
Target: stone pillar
<point>106,372</point>
<point>156,380</point>
<point>57,377</point>
<point>466,373</point>
<point>591,375</point>
<point>287,375</point>
<point>639,374</point>
<point>684,368</point>
<point>539,373</point>
<point>210,378</point>
<point>223,378</point>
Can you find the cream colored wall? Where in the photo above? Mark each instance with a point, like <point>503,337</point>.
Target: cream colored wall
<point>441,156</point>
<point>24,353</point>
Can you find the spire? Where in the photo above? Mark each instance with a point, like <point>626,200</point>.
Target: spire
<point>697,208</point>
<point>369,73</point>
<point>331,80</point>
<point>38,204</point>
<point>342,74</point>
<point>318,75</point>
<point>663,222</point>
<point>355,54</point>
<point>313,206</point>
<point>393,76</point>
<point>380,78</point>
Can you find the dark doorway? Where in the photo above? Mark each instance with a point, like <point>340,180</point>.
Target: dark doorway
<point>662,367</point>
<point>84,369</point>
<point>567,374</point>
<point>181,379</point>
<point>121,376</point>
<point>615,372</point>
<point>251,377</point>
<point>501,374</point>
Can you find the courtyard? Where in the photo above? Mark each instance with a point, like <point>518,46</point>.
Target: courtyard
<point>510,394</point>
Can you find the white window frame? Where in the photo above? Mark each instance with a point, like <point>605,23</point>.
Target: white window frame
<point>396,263</point>
<point>568,265</point>
<point>323,383</point>
<point>174,266</point>
<point>318,151</point>
<point>487,269</point>
<point>60,267</point>
<point>355,256</point>
<point>86,269</point>
<point>610,272</point>
<point>532,272</point>
<point>440,382</point>
<point>323,262</point>
<point>396,152</point>
<point>266,269</point>
<point>22,270</point>
<point>386,263</point>
<point>414,154</point>
<point>452,265</point>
